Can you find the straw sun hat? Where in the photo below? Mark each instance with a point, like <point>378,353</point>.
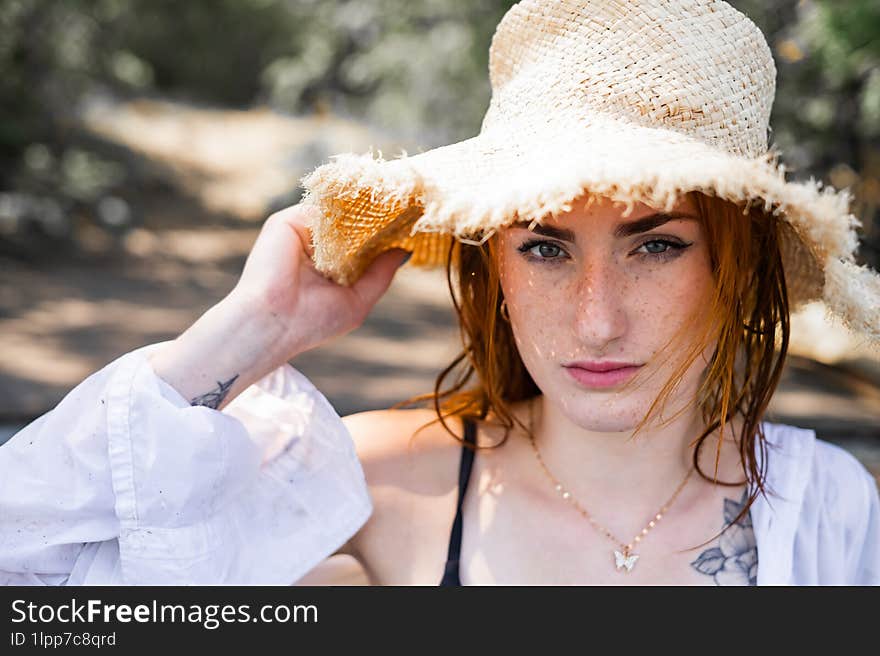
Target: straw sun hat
<point>634,100</point>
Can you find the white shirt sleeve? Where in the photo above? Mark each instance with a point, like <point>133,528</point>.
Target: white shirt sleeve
<point>124,482</point>
<point>866,538</point>
<point>838,524</point>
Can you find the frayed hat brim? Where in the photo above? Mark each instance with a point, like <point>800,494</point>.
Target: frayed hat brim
<point>468,190</point>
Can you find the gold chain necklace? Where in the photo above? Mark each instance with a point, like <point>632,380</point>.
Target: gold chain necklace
<point>624,558</point>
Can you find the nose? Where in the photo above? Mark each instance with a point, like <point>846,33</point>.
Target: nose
<point>600,313</point>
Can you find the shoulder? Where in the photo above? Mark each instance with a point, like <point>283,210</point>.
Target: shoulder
<point>835,464</point>
<point>396,445</point>
<point>400,447</point>
<point>846,486</point>
<point>411,470</point>
<point>837,480</point>
<point>833,483</point>
<point>829,506</point>
<point>842,506</point>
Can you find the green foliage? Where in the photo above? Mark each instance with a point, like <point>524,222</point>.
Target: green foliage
<point>846,36</point>
<point>213,51</point>
<point>409,67</point>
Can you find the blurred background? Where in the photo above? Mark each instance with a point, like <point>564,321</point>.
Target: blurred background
<point>143,142</point>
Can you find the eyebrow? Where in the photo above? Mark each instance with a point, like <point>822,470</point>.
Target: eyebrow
<point>622,230</point>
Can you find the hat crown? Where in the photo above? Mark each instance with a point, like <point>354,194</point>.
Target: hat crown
<point>698,67</point>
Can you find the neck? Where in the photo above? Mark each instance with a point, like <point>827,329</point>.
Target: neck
<point>621,471</point>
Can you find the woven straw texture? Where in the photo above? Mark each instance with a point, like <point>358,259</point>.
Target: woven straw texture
<point>637,101</point>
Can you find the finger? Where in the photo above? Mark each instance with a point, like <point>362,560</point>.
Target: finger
<point>300,219</point>
<point>377,277</point>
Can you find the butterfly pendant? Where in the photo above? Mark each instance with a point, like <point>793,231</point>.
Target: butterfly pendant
<point>622,560</point>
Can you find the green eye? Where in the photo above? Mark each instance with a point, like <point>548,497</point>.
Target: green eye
<point>663,244</point>
<point>661,249</point>
<point>541,250</point>
<point>548,250</point>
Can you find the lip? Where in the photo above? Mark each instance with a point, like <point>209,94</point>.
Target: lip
<point>601,374</point>
<point>601,365</point>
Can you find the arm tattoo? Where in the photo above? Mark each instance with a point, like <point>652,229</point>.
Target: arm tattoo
<point>214,398</point>
<point>735,560</point>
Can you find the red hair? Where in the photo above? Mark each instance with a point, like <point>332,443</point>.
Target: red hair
<point>747,320</point>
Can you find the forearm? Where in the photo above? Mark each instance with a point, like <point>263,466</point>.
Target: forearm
<point>226,350</point>
<point>124,460</point>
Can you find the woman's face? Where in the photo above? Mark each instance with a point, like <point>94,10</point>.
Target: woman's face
<point>591,286</point>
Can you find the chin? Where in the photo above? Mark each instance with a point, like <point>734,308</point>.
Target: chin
<point>600,412</point>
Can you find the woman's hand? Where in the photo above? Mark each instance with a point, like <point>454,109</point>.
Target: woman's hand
<point>280,307</point>
<point>280,282</point>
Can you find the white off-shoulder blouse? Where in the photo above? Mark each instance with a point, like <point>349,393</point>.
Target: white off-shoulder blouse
<point>124,482</point>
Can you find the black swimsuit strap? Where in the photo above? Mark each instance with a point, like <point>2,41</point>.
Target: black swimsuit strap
<point>450,575</point>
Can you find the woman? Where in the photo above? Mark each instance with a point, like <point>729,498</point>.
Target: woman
<point>621,291</point>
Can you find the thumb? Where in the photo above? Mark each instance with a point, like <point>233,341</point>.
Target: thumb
<point>377,277</point>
